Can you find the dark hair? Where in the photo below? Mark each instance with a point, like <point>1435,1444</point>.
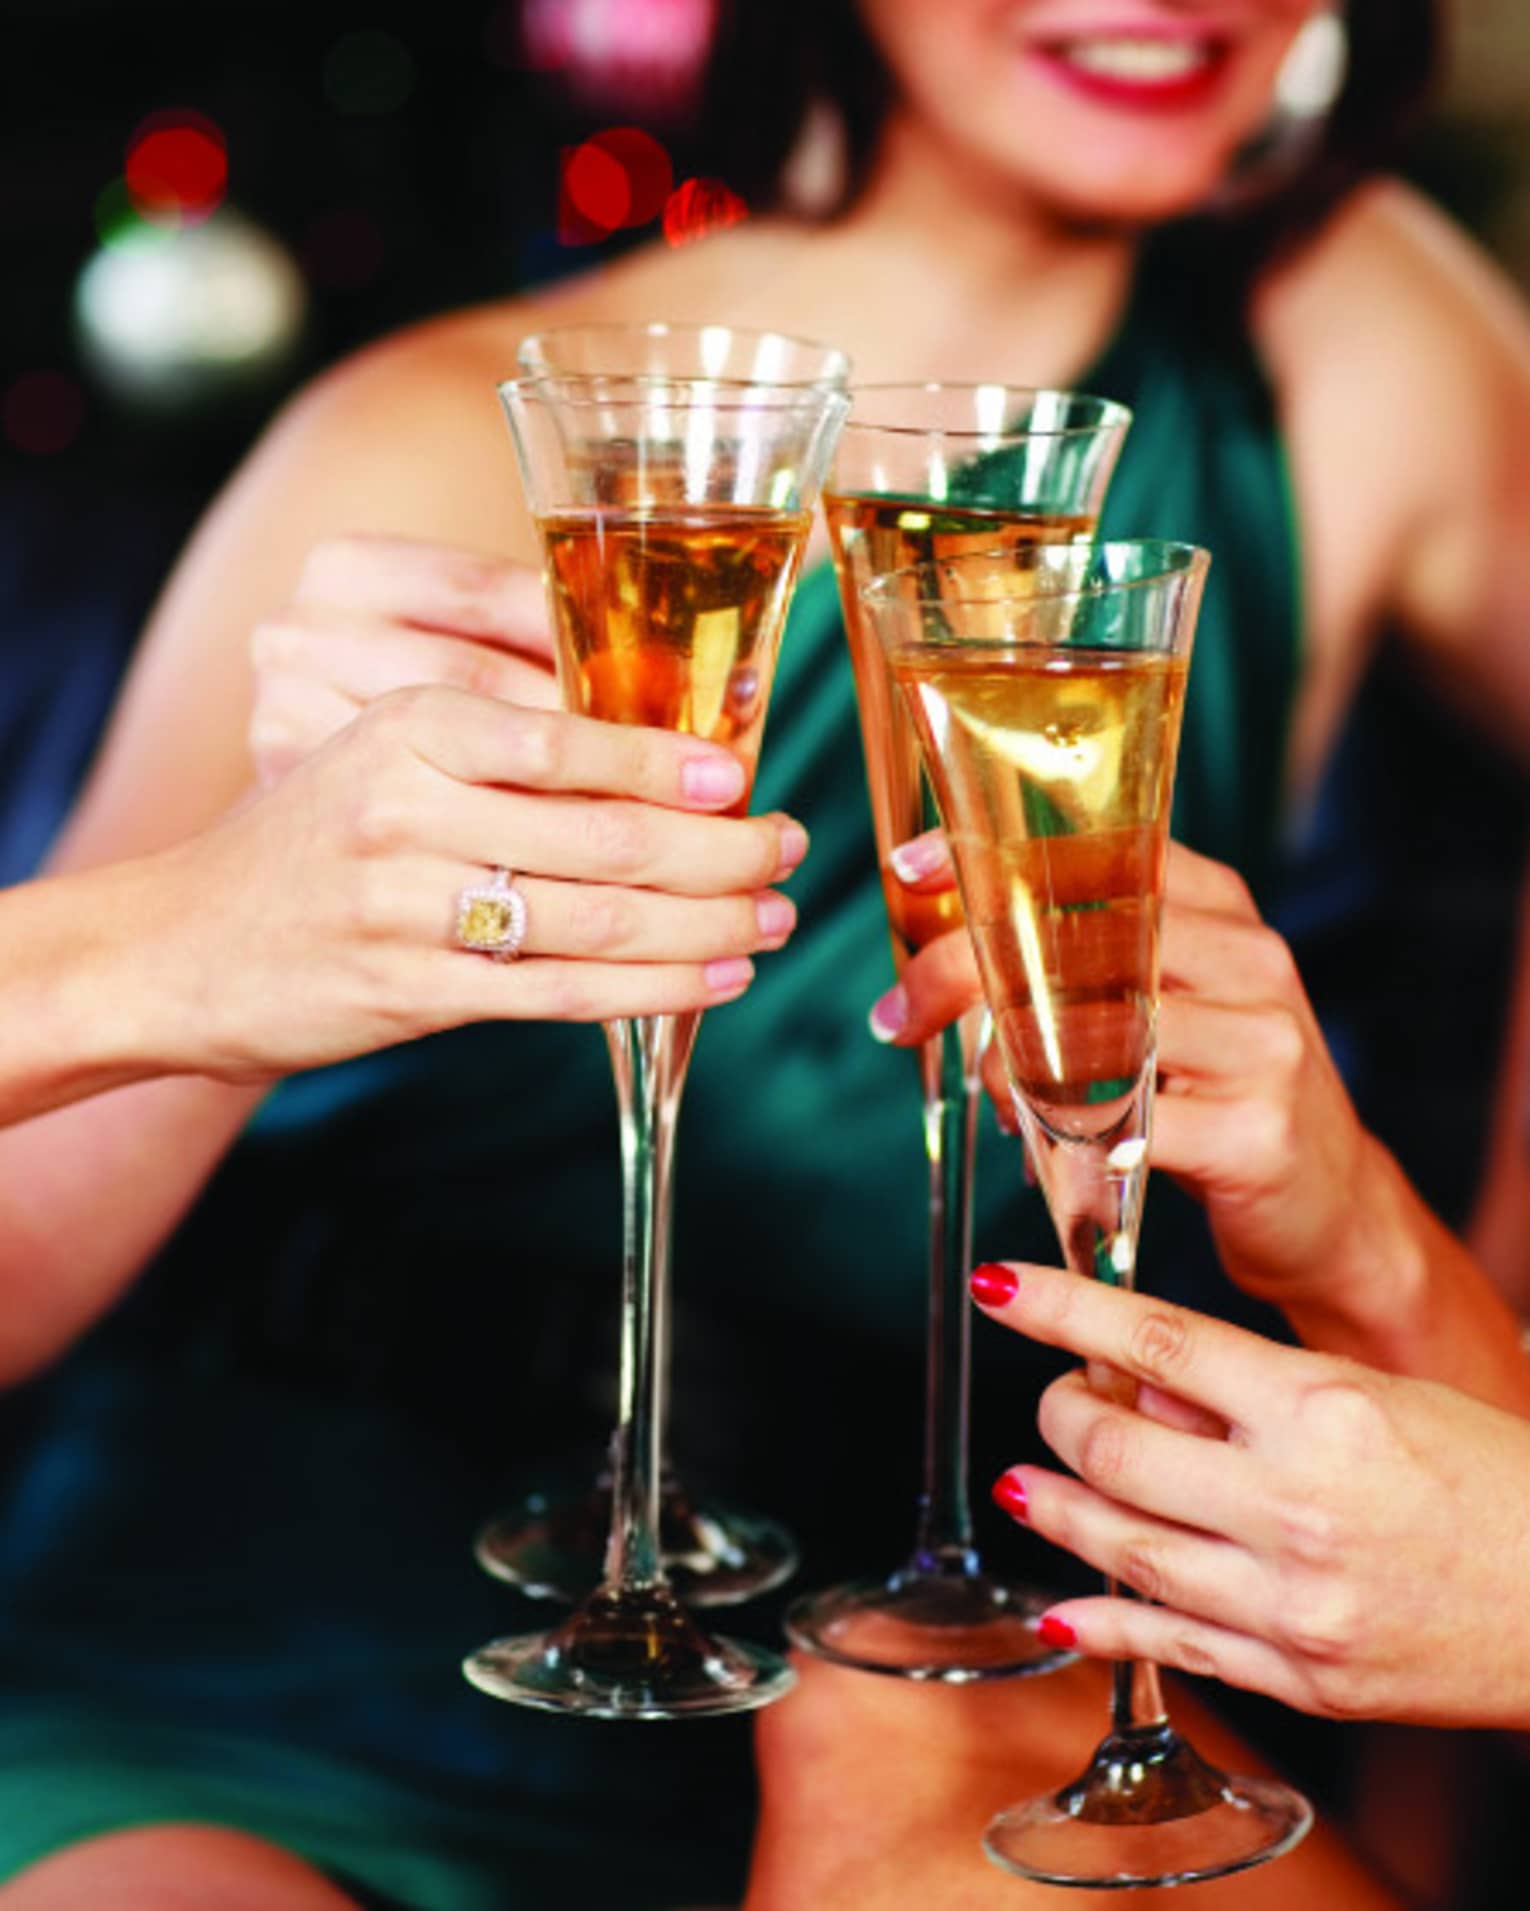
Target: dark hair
<point>772,59</point>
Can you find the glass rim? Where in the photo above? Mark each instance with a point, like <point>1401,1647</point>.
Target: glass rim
<point>838,360</point>
<point>1113,414</point>
<point>591,390</point>
<point>1175,560</point>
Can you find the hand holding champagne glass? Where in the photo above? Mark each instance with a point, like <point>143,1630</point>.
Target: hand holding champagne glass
<point>1046,686</point>
<point>673,514</point>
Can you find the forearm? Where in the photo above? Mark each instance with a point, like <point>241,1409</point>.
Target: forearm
<point>94,1001</point>
<point>1408,1297</point>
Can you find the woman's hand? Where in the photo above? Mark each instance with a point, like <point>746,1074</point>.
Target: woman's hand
<point>318,921</point>
<point>1350,1543</point>
<point>1251,1116</point>
<point>375,614</point>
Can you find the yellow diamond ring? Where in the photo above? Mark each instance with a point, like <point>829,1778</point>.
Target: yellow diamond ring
<point>491,917</point>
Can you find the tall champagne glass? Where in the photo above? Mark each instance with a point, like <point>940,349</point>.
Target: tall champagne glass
<point>673,515</point>
<point>925,472</point>
<point>551,1543</point>
<point>1046,686</point>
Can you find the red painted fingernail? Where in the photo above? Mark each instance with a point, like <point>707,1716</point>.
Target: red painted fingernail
<point>1009,1494</point>
<point>994,1284</point>
<point>1056,1632</point>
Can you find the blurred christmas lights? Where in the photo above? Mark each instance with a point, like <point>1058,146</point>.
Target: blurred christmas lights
<point>174,318</point>
<point>617,179</point>
<point>176,169</point>
<point>698,207</point>
<point>636,53</point>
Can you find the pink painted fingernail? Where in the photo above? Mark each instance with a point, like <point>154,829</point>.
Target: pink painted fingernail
<point>889,1015</point>
<point>993,1284</point>
<point>776,915</point>
<point>1009,1494</point>
<point>1056,1632</point>
<point>728,975</point>
<point>794,846</point>
<point>920,858</point>
<point>712,779</point>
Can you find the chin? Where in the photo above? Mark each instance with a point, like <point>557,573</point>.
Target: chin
<point>1136,196</point>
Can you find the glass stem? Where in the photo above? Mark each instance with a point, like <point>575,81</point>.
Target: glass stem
<point>1094,1188</point>
<point>949,1074</point>
<point>649,1058</point>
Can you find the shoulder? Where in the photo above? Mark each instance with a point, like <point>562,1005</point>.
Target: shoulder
<point>1394,303</point>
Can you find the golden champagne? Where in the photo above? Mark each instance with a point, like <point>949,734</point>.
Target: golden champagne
<point>670,616</point>
<point>871,535</point>
<point>1062,764</point>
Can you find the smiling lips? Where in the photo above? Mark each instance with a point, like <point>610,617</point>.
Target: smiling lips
<point>1136,69</point>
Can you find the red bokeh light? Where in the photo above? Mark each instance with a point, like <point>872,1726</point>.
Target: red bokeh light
<point>619,177</point>
<point>698,207</point>
<point>43,413</point>
<point>177,167</point>
<point>627,52</point>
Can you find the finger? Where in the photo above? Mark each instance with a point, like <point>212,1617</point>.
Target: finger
<point>1198,1572</point>
<point>1200,882</point>
<point>1127,1629</point>
<point>601,921</point>
<point>595,839</point>
<point>936,988</point>
<point>366,658</point>
<point>474,988</point>
<point>431,585</point>
<point>1228,1049</point>
<point>1226,959</point>
<point>477,740</point>
<point>1151,1468</point>
<point>1201,1360</point>
<point>291,718</point>
<point>1174,1412</point>
<point>1224,1144</point>
<point>923,864</point>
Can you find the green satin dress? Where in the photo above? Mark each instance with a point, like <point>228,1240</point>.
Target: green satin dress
<point>235,1579</point>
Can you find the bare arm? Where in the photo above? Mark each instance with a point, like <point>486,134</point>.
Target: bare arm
<point>405,440</point>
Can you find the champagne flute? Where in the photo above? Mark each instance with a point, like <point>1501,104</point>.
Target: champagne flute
<point>1046,686</point>
<point>923,472</point>
<point>551,1543</point>
<point>672,515</point>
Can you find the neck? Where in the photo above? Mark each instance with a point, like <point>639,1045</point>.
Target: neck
<point>928,198</point>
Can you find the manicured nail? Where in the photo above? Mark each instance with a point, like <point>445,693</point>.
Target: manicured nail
<point>993,1284</point>
<point>776,915</point>
<point>728,975</point>
<point>920,858</point>
<point>794,846</point>
<point>1009,1494</point>
<point>889,1015</point>
<point>1056,1632</point>
<point>712,779</point>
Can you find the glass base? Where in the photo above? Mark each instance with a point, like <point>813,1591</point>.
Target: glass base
<point>955,1627</point>
<point>630,1656</point>
<point>1149,1811</point>
<point>553,1546</point>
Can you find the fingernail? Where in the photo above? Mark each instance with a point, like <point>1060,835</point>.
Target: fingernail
<point>889,1015</point>
<point>1056,1632</point>
<point>728,975</point>
<point>712,779</point>
<point>776,915</point>
<point>1004,1114</point>
<point>920,857</point>
<point>993,1284</point>
<point>1009,1494</point>
<point>794,846</point>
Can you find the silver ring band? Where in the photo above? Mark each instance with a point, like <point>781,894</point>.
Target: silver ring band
<point>491,917</point>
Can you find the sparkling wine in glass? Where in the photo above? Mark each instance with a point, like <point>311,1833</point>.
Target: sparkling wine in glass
<point>923,473</point>
<point>673,515</point>
<point>551,1544</point>
<point>1046,688</point>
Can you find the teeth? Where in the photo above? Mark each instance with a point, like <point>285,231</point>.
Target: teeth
<point>1137,59</point>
